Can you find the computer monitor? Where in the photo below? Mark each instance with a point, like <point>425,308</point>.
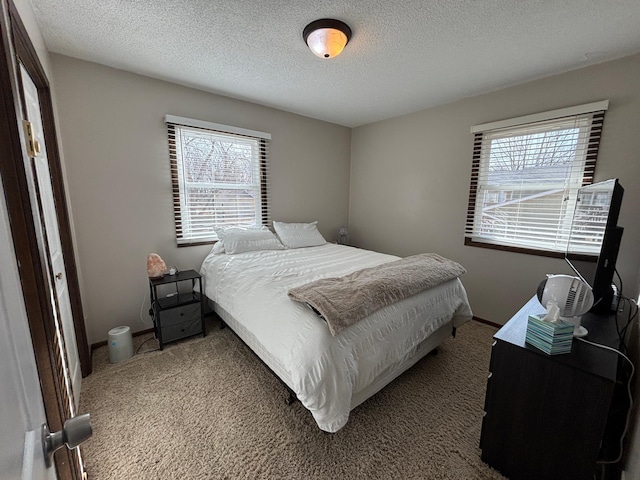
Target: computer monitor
<point>594,239</point>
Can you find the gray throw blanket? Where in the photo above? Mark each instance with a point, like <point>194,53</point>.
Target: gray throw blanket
<point>345,300</point>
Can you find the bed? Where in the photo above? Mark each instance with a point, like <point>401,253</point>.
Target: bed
<point>330,375</point>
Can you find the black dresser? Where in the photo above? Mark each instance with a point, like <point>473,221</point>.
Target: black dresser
<point>553,416</point>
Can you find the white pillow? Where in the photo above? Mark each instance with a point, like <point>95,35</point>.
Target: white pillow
<point>247,239</point>
<point>218,248</point>
<point>296,235</point>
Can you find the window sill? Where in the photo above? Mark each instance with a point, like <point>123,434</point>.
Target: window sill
<point>527,251</point>
<point>196,243</point>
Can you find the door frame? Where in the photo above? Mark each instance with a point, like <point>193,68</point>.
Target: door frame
<point>27,54</point>
<point>14,44</point>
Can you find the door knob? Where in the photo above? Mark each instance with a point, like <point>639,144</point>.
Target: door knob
<point>75,431</point>
<point>59,275</point>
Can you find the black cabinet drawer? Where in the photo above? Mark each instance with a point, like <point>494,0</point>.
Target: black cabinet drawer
<point>493,348</point>
<point>487,404</point>
<point>176,315</point>
<point>181,330</point>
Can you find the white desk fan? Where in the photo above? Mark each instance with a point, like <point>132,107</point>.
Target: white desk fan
<point>573,297</point>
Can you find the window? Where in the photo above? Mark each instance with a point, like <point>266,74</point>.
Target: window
<point>219,176</point>
<point>525,176</point>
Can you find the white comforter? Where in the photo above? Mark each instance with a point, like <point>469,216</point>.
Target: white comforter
<point>250,291</point>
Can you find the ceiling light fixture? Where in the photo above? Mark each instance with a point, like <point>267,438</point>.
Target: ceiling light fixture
<point>326,37</point>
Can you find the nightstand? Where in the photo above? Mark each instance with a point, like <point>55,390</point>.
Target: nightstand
<point>177,310</point>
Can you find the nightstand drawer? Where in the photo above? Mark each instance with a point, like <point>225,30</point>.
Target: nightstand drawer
<point>177,315</point>
<point>181,330</point>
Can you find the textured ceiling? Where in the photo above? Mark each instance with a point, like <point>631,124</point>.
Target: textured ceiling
<point>404,56</point>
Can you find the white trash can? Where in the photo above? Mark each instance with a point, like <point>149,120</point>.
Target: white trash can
<point>120,344</point>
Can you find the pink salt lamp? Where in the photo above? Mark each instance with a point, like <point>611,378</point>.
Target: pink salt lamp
<point>155,266</point>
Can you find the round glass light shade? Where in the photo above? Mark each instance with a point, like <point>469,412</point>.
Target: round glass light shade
<point>326,37</point>
<point>327,42</point>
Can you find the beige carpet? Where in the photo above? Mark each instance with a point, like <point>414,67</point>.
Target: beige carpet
<point>206,408</point>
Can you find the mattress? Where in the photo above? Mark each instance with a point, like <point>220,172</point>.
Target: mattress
<point>328,374</point>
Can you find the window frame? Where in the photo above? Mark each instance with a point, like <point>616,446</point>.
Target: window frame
<point>258,141</point>
<point>590,134</point>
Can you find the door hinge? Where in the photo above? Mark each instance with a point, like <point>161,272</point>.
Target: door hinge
<point>32,145</point>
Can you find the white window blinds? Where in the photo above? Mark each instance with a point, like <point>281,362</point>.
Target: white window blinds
<point>219,176</point>
<point>525,176</point>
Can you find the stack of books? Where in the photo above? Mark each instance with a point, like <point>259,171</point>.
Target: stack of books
<point>551,338</point>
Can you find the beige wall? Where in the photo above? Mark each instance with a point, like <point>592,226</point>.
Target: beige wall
<point>116,155</point>
<point>410,180</point>
<point>409,177</point>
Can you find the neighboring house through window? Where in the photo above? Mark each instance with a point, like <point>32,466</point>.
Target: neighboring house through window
<point>219,176</point>
<point>525,177</point>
